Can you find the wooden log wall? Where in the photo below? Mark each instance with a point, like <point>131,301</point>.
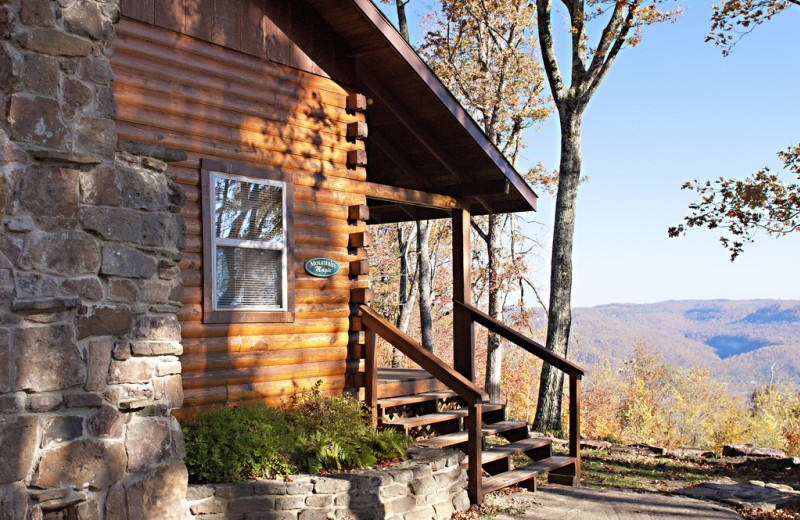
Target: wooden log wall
<point>216,102</point>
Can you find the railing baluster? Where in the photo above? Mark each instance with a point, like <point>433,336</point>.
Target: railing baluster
<point>475,445</point>
<point>371,376</point>
<point>575,418</point>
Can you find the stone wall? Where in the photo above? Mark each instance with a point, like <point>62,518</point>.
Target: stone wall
<point>89,283</point>
<point>431,484</point>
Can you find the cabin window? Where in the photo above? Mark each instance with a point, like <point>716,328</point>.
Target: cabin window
<point>247,244</point>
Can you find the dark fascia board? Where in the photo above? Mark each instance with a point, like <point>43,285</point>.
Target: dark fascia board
<point>409,55</point>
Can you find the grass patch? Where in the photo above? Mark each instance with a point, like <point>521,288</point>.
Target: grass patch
<point>602,469</point>
<point>626,471</point>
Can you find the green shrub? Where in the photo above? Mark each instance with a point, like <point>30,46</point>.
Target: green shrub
<point>234,444</point>
<point>310,433</point>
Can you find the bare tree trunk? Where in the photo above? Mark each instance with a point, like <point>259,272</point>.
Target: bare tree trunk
<point>424,274</point>
<point>494,346</point>
<point>405,297</point>
<point>402,20</point>
<point>425,277</point>
<point>548,410</point>
<point>402,293</point>
<point>405,317</point>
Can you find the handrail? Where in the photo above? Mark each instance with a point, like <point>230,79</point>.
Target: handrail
<point>522,341</point>
<point>473,396</point>
<point>430,363</point>
<point>574,371</point>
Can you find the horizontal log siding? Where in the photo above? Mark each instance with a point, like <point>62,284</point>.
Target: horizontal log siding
<point>217,103</point>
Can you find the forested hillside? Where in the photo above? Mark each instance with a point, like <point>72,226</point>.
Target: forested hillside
<point>741,342</point>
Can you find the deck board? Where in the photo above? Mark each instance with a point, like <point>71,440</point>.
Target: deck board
<point>394,382</point>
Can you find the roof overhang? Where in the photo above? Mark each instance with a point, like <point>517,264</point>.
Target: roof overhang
<point>420,137</point>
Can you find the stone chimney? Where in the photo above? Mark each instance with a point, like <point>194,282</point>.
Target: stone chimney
<point>89,282</point>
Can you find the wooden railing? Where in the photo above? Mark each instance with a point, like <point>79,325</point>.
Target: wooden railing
<point>574,372</point>
<point>373,323</point>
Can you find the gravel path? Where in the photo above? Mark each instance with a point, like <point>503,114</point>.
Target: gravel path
<point>554,502</point>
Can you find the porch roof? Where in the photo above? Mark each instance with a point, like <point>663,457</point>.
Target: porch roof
<point>420,137</point>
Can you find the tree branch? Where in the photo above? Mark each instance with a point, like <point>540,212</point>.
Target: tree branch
<point>606,39</point>
<point>549,60</point>
<point>483,234</point>
<point>578,45</point>
<point>594,82</point>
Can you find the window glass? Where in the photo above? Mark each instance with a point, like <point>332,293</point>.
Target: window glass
<point>249,278</point>
<point>248,210</point>
<point>249,244</point>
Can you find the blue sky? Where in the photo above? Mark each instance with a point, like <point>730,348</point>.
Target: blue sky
<point>674,109</point>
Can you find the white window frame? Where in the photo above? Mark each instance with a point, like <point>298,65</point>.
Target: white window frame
<point>211,170</point>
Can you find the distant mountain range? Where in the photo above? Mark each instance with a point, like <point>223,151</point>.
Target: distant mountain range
<point>743,342</point>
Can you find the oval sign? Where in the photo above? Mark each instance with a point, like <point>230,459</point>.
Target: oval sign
<point>322,267</point>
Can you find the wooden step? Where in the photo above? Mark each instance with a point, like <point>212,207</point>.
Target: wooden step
<point>423,420</point>
<point>510,478</point>
<point>501,452</point>
<point>433,418</point>
<point>413,399</point>
<point>503,426</point>
<point>487,407</point>
<point>450,439</point>
<point>401,388</point>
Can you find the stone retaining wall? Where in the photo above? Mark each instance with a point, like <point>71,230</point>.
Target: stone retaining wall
<point>431,484</point>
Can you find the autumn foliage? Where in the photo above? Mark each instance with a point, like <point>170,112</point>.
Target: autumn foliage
<point>741,208</point>
<point>647,400</point>
<point>733,19</point>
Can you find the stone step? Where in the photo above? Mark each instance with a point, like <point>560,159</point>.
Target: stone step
<point>516,476</point>
<point>451,439</point>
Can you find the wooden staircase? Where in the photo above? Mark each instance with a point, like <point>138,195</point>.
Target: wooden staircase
<point>453,411</point>
<point>438,418</point>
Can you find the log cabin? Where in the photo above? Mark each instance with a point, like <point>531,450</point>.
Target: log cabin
<point>304,121</point>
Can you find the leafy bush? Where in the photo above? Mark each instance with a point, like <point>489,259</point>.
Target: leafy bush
<point>310,433</point>
<point>234,444</point>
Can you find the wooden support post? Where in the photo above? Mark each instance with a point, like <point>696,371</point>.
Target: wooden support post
<point>371,377</point>
<point>575,423</point>
<point>355,323</point>
<point>574,415</point>
<point>463,327</point>
<point>571,475</point>
<point>474,449</point>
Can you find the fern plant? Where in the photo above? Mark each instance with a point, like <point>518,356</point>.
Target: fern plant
<point>311,432</point>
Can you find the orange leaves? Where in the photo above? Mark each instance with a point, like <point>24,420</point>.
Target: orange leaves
<point>733,19</point>
<point>742,207</point>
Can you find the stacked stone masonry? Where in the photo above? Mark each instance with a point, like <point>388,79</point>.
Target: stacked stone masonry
<point>89,283</point>
<point>431,484</point>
